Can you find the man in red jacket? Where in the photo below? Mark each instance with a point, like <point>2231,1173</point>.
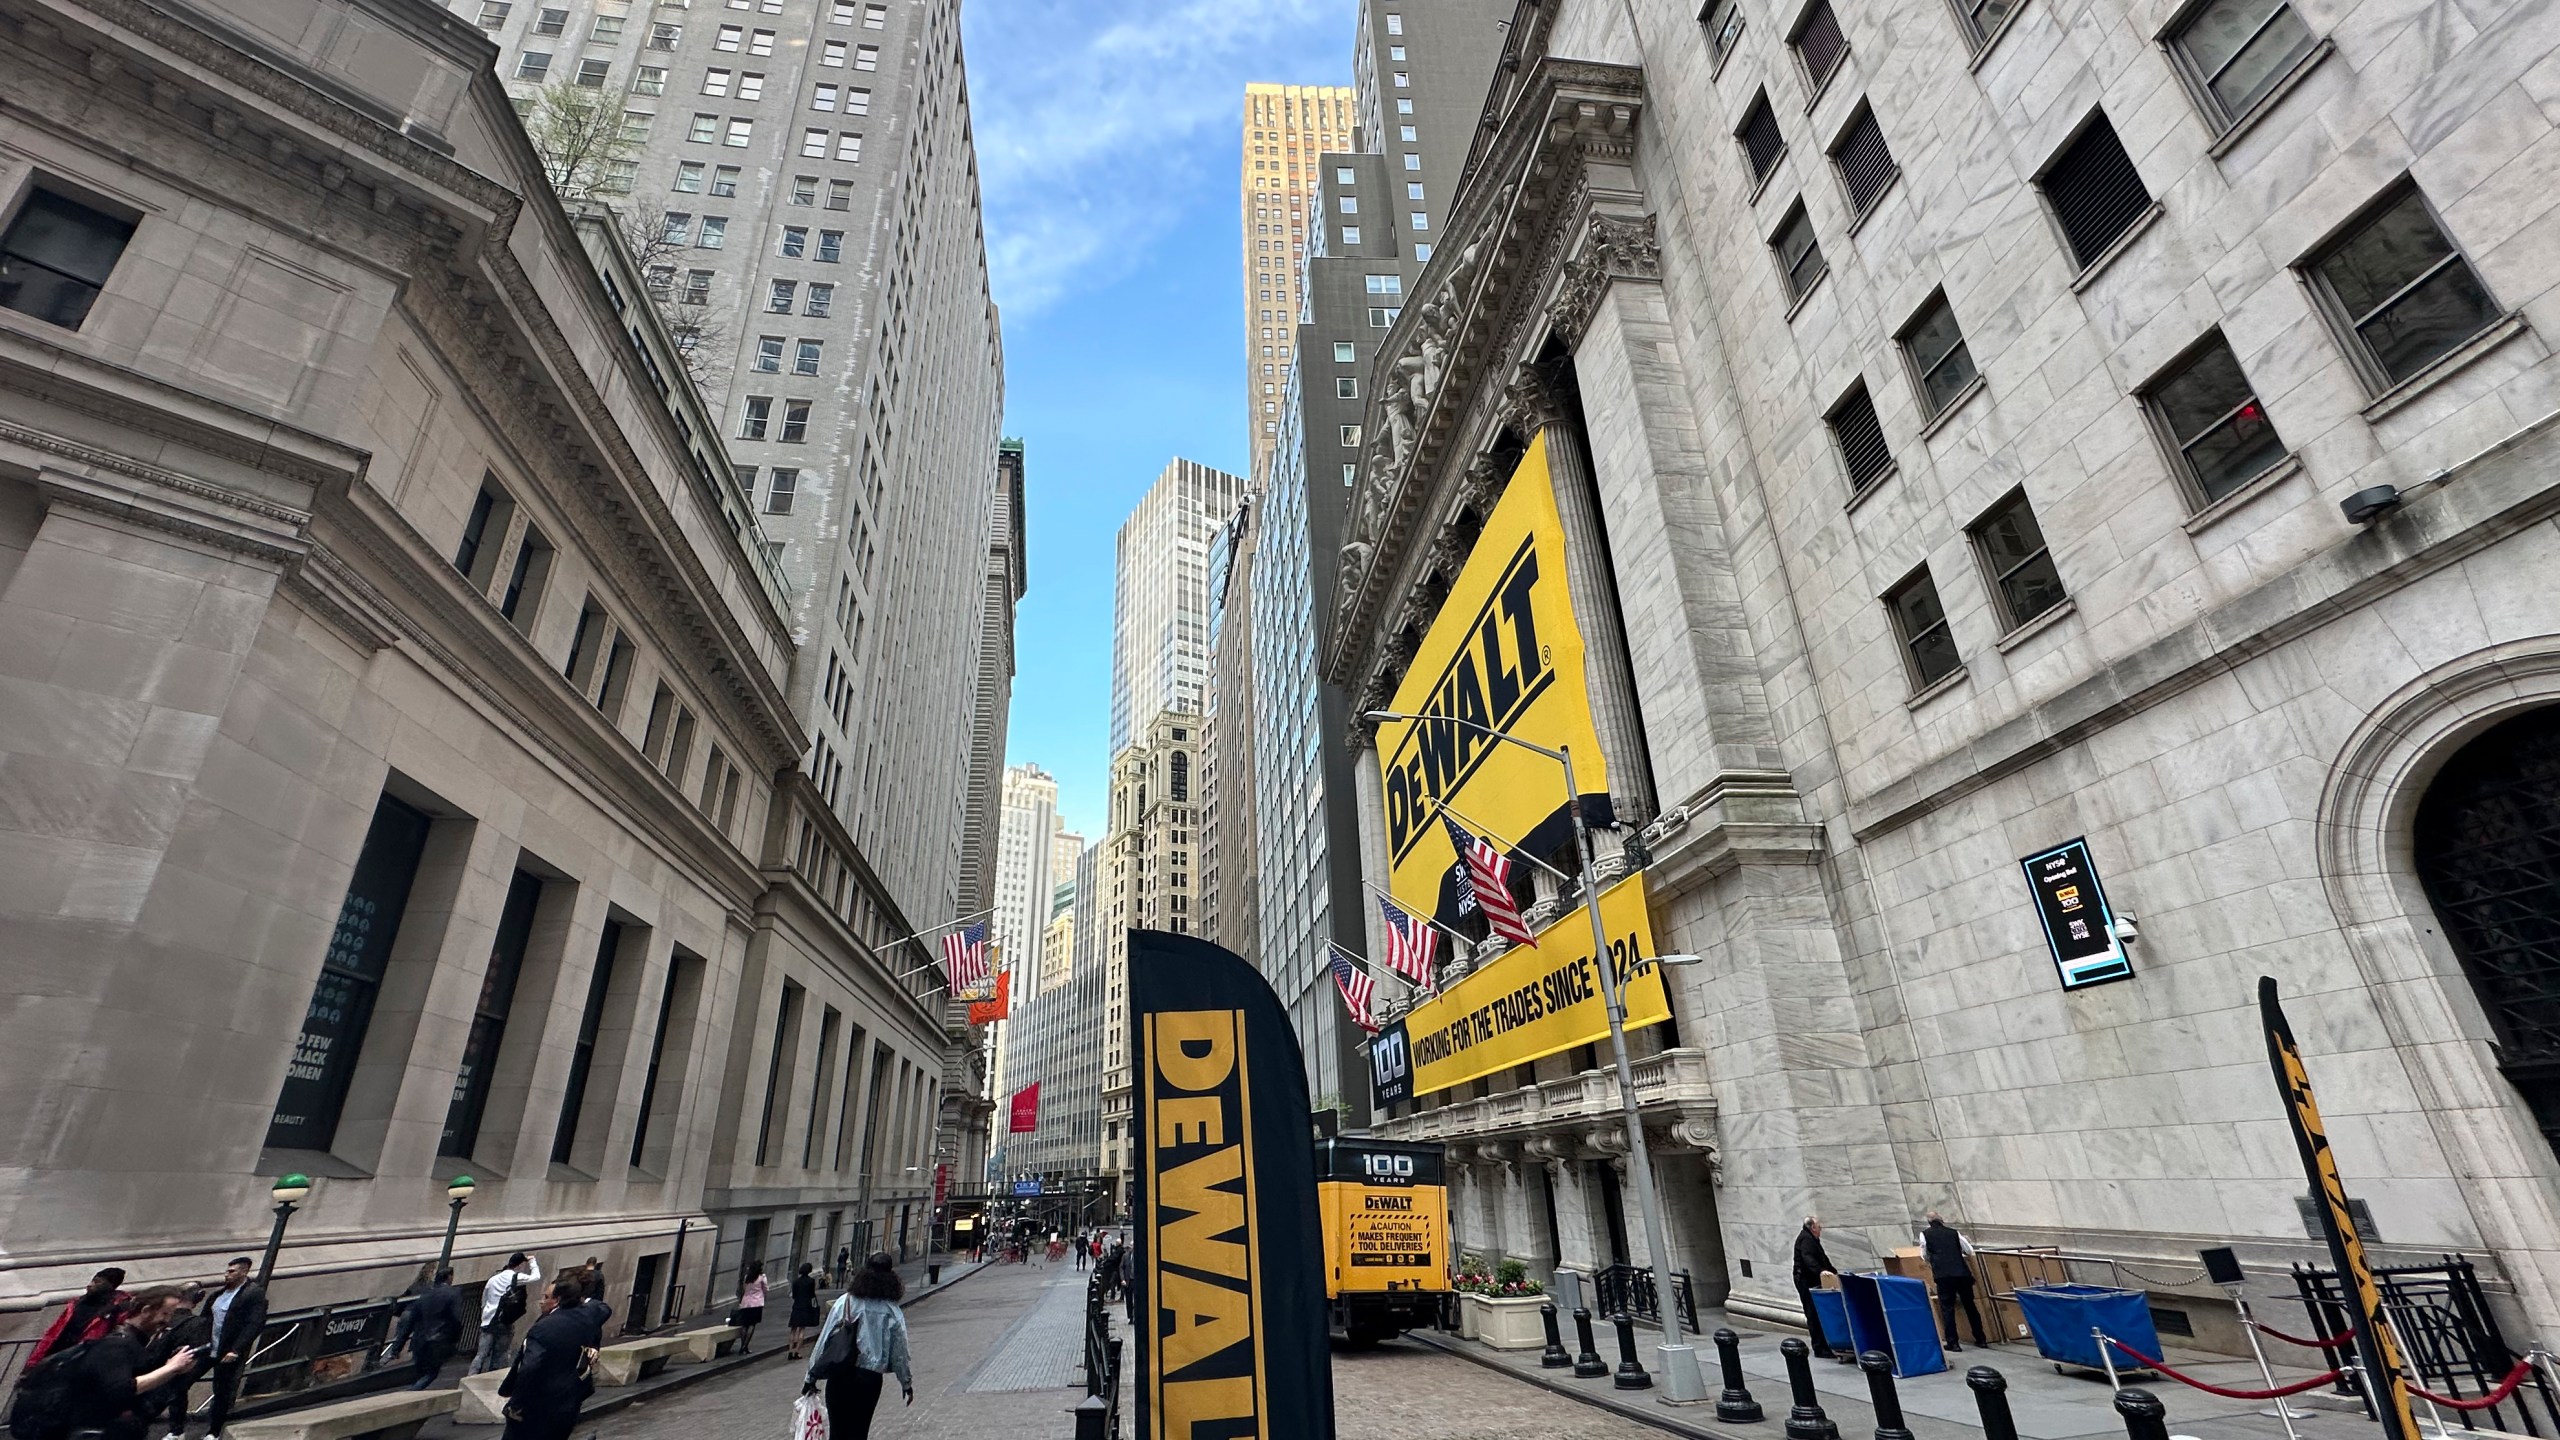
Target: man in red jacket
<point>89,1316</point>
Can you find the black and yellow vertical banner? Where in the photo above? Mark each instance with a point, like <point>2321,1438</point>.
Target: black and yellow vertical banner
<point>2385,1386</point>
<point>1232,1330</point>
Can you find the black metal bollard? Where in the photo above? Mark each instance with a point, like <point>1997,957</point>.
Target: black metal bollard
<point>1991,1397</point>
<point>1805,1421</point>
<point>1631,1375</point>
<point>1554,1356</point>
<point>2145,1418</point>
<point>1092,1415</point>
<point>1735,1405</point>
<point>1588,1365</point>
<point>1882,1395</point>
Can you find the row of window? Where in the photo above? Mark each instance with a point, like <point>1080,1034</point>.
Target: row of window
<point>805,355</point>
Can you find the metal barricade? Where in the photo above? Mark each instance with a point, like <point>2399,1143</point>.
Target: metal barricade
<point>1630,1290</point>
<point>2448,1337</point>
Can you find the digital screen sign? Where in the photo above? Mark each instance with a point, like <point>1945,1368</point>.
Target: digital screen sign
<point>2079,927</point>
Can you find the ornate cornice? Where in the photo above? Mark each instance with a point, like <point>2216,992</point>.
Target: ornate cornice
<point>1439,381</point>
<point>1613,248</point>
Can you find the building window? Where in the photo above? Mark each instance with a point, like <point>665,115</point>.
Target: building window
<point>2014,555</point>
<point>778,301</point>
<point>813,144</point>
<point>665,37</point>
<point>866,57</point>
<point>830,246</point>
<point>679,228</point>
<point>822,299</point>
<point>839,194</point>
<point>1799,258</point>
<point>715,232</point>
<point>1381,317</point>
<point>2400,288</point>
<point>1864,165</point>
<point>532,65</point>
<point>1350,204</point>
<point>768,355</point>
<point>724,180</point>
<point>804,357</point>
<point>1407,134</point>
<point>760,43</point>
<point>2234,53</point>
<point>1418,221</point>
<point>840,12</point>
<point>1395,24</point>
<point>715,82</point>
<point>1983,19</point>
<point>2205,408</point>
<point>607,30</point>
<point>804,190</point>
<point>751,85</point>
<point>1346,388</point>
<point>823,98</point>
<point>1920,622</point>
<point>2095,192</point>
<point>1351,436</point>
<point>875,17</point>
<point>55,258</point>
<point>795,243</point>
<point>619,176</point>
<point>1386,284</point>
<point>857,101</point>
<point>697,287</point>
<point>1762,143</point>
<point>1350,472</point>
<point>759,415</point>
<point>786,485</point>
<point>795,421</point>
<point>1722,20</point>
<point>635,125</point>
<point>662,282</point>
<point>740,132</point>
<point>341,1008</point>
<point>730,38</point>
<point>493,13</point>
<point>1344,352</point>
<point>703,130</point>
<point>1818,43</point>
<point>1404,104</point>
<point>489,510</point>
<point>489,1018</point>
<point>1863,452</point>
<point>649,80</point>
<point>831,54</point>
<point>549,21</point>
<point>1413,191</point>
<point>523,597</point>
<point>848,147</point>
<point>1403,81</point>
<point>1940,364</point>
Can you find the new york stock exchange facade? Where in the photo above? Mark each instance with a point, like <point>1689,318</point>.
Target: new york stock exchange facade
<point>1987,732</point>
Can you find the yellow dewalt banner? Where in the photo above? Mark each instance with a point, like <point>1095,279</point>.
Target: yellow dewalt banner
<point>1534,1002</point>
<point>1503,652</point>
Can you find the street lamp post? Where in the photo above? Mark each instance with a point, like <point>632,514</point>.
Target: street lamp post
<point>459,1192</point>
<point>288,1192</point>
<point>1676,1358</point>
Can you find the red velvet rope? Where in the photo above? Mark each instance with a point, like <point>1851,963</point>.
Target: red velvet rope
<point>2505,1388</point>
<point>2330,1344</point>
<point>2149,1363</point>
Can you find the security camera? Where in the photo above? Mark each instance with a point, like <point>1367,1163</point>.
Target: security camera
<point>2125,929</point>
<point>2366,506</point>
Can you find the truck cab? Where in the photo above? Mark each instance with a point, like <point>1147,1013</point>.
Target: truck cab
<point>1386,1235</point>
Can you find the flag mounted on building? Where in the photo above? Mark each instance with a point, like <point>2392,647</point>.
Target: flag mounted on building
<point>1413,944</point>
<point>965,963</point>
<point>1359,988</point>
<point>1489,875</point>
<point>1000,1007</point>
<point>1231,1313</point>
<point>1025,1119</point>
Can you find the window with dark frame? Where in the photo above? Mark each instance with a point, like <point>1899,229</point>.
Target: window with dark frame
<point>470,1099</point>
<point>475,530</point>
<point>1920,622</point>
<point>2236,52</point>
<point>1818,42</point>
<point>1860,436</point>
<point>582,1053</point>
<point>785,489</point>
<point>1799,257</point>
<point>1866,167</point>
<point>1762,143</point>
<point>335,1023</point>
<point>2095,192</point>
<point>1722,20</point>
<point>1940,364</point>
<point>2023,579</point>
<point>55,258</point>
<point>2401,288</point>
<point>2211,417</point>
<point>523,596</point>
<point>1983,18</point>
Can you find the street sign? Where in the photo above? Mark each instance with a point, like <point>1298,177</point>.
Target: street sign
<point>2072,906</point>
<point>1026,1187</point>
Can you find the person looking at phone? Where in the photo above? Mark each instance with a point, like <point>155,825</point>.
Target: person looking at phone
<point>109,1383</point>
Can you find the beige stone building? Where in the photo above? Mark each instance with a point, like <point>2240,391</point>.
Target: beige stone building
<point>1286,127</point>
<point>396,695</point>
<point>1978,428</point>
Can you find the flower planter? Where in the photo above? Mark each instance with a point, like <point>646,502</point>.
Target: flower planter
<point>1466,1316</point>
<point>1506,1323</point>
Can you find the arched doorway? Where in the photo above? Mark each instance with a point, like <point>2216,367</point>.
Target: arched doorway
<point>2487,842</point>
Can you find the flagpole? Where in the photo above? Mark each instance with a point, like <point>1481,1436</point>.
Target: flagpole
<point>1371,965</point>
<point>1388,896</point>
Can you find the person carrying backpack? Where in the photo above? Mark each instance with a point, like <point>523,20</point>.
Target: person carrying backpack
<point>864,1338</point>
<point>503,1301</point>
<point>102,1385</point>
<point>91,1314</point>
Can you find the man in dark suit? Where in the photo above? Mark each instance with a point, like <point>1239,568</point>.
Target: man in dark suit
<point>1812,1262</point>
<point>432,1328</point>
<point>239,1313</point>
<point>550,1381</point>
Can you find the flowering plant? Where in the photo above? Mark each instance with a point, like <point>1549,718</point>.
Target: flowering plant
<point>1506,1281</point>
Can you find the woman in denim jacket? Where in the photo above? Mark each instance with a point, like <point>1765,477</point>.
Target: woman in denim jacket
<point>870,1304</point>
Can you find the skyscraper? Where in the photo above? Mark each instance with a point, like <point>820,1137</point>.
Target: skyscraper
<point>1020,899</point>
<point>1285,128</point>
<point>1160,596</point>
<point>1229,870</point>
<point>1422,68</point>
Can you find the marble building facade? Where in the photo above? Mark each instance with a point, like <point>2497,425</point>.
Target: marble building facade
<point>1872,342</point>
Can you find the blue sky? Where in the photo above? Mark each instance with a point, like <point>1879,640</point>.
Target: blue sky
<point>1107,135</point>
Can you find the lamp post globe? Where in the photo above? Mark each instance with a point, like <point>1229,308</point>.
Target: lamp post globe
<point>289,1191</point>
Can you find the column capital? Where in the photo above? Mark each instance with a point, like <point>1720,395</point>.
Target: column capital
<point>1614,247</point>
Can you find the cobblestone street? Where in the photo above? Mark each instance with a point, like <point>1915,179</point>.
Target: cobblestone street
<point>997,1356</point>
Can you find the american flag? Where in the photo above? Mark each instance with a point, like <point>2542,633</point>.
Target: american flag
<point>964,959</point>
<point>1359,989</point>
<point>1412,944</point>
<point>1489,875</point>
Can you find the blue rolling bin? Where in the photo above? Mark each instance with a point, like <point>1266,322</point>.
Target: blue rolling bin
<point>1891,1313</point>
<point>2060,1318</point>
<point>1833,1307</point>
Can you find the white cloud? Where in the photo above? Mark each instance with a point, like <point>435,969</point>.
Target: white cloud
<point>1094,139</point>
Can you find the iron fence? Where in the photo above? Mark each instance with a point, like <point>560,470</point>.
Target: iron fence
<point>1630,1290</point>
<point>2448,1336</point>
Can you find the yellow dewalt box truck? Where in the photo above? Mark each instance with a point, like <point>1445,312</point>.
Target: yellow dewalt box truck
<point>1386,1235</point>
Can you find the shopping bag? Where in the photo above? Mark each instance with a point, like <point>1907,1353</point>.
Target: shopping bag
<point>809,1419</point>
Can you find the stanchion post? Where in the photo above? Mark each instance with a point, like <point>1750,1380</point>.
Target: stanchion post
<point>1587,1365</point>
<point>2249,1326</point>
<point>1091,1416</point>
<point>1991,1398</point>
<point>2145,1418</point>
<point>1735,1406</point>
<point>1882,1395</point>
<point>1805,1420</point>
<point>1554,1356</point>
<point>2107,1357</point>
<point>1631,1373</point>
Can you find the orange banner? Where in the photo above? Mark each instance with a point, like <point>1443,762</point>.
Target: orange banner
<point>1000,1008</point>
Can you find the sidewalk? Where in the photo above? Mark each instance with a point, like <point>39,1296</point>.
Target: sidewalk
<point>2047,1404</point>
